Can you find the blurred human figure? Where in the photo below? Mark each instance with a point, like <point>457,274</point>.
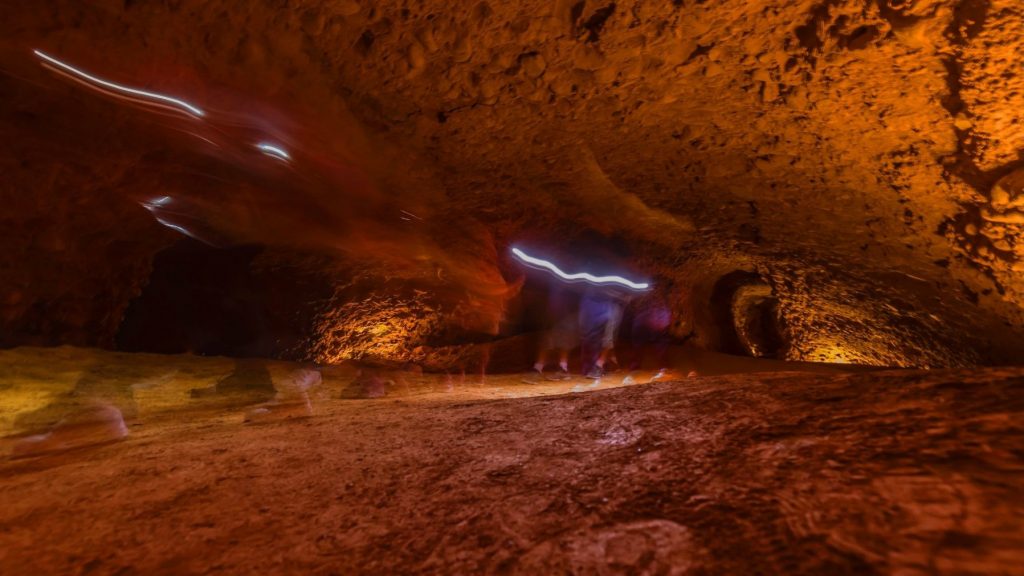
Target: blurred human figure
<point>608,361</point>
<point>649,332</point>
<point>561,336</point>
<point>599,319</point>
<point>605,292</point>
<point>93,413</point>
<point>94,422</point>
<point>250,379</point>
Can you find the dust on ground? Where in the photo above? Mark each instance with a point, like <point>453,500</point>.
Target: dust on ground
<point>780,472</point>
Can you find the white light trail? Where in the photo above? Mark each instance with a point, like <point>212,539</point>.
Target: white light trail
<point>176,227</point>
<point>124,89</point>
<point>271,150</point>
<point>578,275</point>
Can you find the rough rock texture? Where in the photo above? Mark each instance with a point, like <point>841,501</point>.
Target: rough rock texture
<point>859,155</point>
<point>904,472</point>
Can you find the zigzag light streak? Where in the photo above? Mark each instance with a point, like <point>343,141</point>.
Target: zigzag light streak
<point>585,276</point>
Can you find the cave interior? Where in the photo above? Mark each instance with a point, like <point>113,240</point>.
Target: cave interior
<point>286,287</point>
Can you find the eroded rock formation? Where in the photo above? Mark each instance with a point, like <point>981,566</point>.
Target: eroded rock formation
<point>861,157</point>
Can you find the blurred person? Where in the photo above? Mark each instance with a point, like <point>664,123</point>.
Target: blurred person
<point>608,361</point>
<point>561,336</point>
<point>600,317</point>
<point>649,333</point>
<point>605,292</point>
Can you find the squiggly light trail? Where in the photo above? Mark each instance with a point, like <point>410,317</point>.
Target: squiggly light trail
<point>578,275</point>
<point>185,106</point>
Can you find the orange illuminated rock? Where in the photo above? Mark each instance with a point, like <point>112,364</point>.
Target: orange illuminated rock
<point>840,150</point>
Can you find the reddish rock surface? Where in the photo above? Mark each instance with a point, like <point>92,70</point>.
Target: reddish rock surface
<point>837,181</point>
<point>784,472</point>
<point>846,151</point>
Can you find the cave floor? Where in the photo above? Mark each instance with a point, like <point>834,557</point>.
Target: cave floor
<point>769,472</point>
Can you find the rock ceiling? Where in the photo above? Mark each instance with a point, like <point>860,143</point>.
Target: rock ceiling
<point>862,157</point>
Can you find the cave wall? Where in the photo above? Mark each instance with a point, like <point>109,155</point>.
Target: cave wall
<point>858,154</point>
<point>73,254</point>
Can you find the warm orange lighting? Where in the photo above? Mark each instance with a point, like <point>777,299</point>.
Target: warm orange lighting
<point>831,354</point>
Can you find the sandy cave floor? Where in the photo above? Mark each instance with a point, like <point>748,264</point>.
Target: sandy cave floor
<point>782,472</point>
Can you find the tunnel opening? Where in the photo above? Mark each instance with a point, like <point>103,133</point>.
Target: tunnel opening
<point>199,299</point>
<point>237,301</point>
<point>746,315</point>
